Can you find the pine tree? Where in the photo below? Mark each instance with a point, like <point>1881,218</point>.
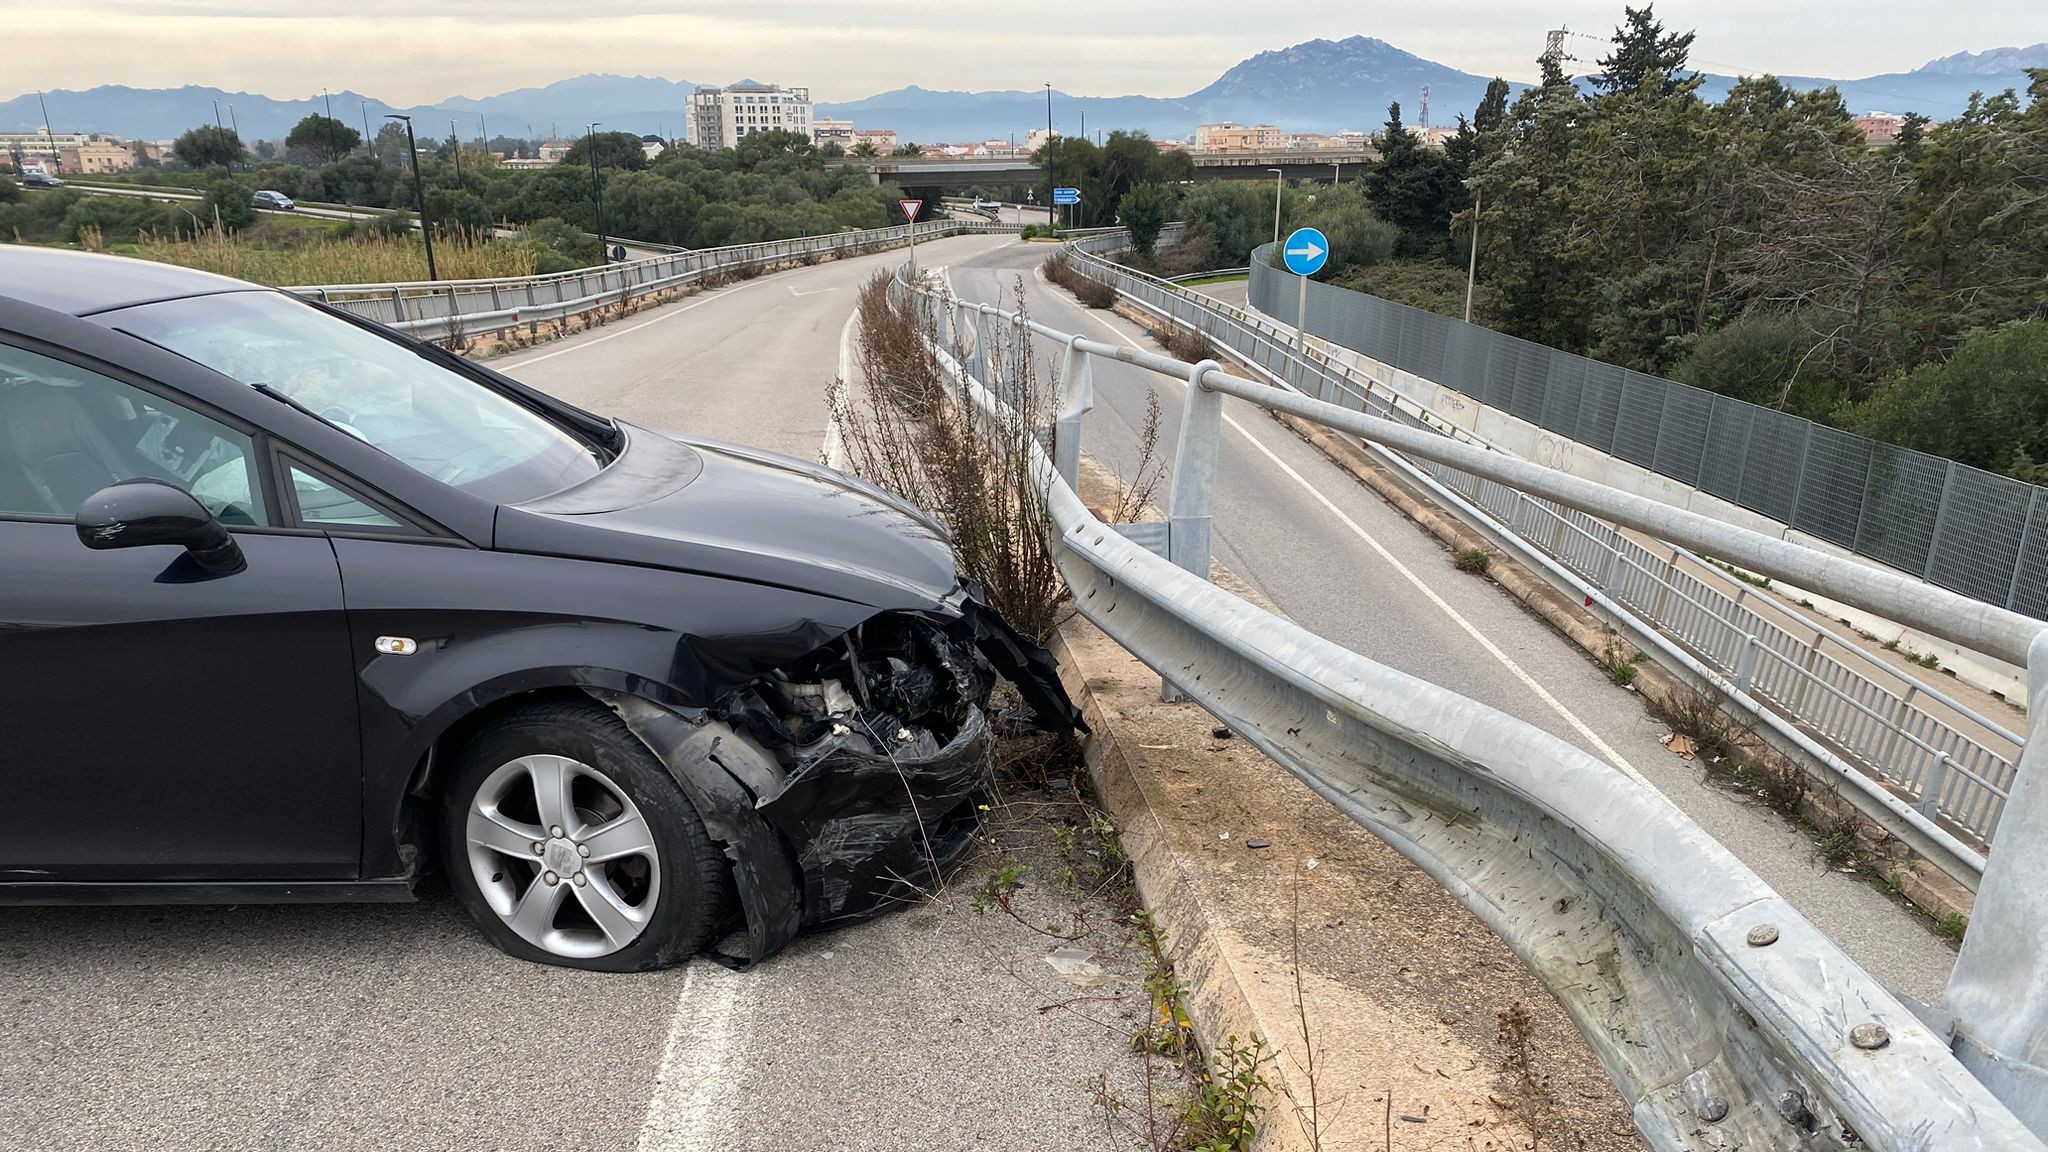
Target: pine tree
<point>1643,48</point>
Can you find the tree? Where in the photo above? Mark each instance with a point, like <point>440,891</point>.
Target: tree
<point>1984,407</point>
<point>209,146</point>
<point>1642,47</point>
<point>1412,187</point>
<point>1525,182</point>
<point>389,144</point>
<point>10,192</point>
<point>908,148</point>
<point>1143,211</point>
<point>228,201</point>
<point>1763,358</point>
<point>458,211</point>
<point>615,150</point>
<point>831,149</point>
<point>864,150</point>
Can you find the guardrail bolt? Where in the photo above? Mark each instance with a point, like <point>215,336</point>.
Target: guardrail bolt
<point>1869,1037</point>
<point>1713,1109</point>
<point>1792,1106</point>
<point>1763,936</point>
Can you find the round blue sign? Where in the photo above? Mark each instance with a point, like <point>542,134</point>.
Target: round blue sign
<point>1306,251</point>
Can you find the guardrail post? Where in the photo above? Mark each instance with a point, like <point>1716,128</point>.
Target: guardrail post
<point>982,360</point>
<point>1745,664</point>
<point>1193,499</point>
<point>1995,990</point>
<point>1077,396</point>
<point>1932,785</point>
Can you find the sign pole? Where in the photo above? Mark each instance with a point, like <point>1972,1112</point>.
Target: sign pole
<point>1304,254</point>
<point>910,210</point>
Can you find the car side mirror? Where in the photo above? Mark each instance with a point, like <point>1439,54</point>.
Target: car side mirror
<point>136,513</point>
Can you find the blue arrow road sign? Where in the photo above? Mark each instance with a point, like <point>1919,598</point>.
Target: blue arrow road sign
<point>1306,252</point>
<point>1066,195</point>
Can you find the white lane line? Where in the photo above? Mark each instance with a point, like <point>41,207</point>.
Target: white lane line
<point>1614,758</point>
<point>812,292</point>
<point>582,344</point>
<point>833,451</point>
<point>700,1064</point>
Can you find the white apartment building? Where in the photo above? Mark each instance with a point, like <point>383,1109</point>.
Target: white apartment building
<point>824,130</point>
<point>1233,137</point>
<point>721,117</point>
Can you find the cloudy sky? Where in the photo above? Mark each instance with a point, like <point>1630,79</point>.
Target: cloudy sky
<point>415,51</point>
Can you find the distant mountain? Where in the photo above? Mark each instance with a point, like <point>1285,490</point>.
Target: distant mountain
<point>642,104</point>
<point>1317,86</point>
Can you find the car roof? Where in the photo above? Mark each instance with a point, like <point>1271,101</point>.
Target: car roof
<point>82,283</point>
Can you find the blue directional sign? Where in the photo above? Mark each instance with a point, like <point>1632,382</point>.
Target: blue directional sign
<point>1306,252</point>
<point>1066,195</point>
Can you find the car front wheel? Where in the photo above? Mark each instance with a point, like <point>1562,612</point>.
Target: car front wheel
<point>568,843</point>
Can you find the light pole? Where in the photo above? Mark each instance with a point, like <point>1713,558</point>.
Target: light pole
<point>455,147</point>
<point>369,141</point>
<point>604,246</point>
<point>1048,153</point>
<point>1472,269</point>
<point>1277,177</point>
<point>330,102</point>
<point>419,191</point>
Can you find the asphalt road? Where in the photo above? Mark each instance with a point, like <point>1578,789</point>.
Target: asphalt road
<point>396,1026</point>
<point>1341,562</point>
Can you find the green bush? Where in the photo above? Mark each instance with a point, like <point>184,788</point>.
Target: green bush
<point>10,192</point>
<point>231,201</point>
<point>1759,358</point>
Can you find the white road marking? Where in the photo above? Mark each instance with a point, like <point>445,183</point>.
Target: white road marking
<point>812,292</point>
<point>1616,759</point>
<point>833,451</point>
<point>700,1064</point>
<point>596,340</point>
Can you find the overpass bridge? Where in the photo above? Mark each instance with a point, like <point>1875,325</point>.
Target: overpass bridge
<point>935,172</point>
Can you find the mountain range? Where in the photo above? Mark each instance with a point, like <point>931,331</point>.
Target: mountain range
<point>1316,86</point>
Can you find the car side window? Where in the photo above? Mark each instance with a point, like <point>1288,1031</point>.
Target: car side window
<point>325,503</point>
<point>66,432</point>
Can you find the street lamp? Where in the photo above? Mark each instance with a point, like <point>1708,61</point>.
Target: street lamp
<point>419,191</point>
<point>1278,175</point>
<point>1048,153</point>
<point>604,248</point>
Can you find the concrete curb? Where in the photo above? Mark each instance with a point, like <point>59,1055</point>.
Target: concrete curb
<point>1925,886</point>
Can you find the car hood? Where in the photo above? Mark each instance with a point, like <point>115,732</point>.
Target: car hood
<point>717,509</point>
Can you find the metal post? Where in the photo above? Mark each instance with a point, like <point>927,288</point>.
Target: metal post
<point>1193,498</point>
<point>1995,991</point>
<point>1932,785</point>
<point>1472,267</point>
<point>1077,396</point>
<point>1745,664</point>
<point>1278,176</point>
<point>419,189</point>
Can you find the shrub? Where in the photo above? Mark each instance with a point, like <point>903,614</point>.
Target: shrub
<point>228,201</point>
<point>1187,344</point>
<point>1473,560</point>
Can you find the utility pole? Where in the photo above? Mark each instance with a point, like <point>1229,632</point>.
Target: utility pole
<point>1425,113</point>
<point>455,140</point>
<point>419,191</point>
<point>216,117</point>
<point>1048,154</point>
<point>1472,268</point>
<point>369,141</point>
<point>330,101</point>
<point>1278,176</point>
<point>49,135</point>
<point>604,247</point>
<point>483,129</point>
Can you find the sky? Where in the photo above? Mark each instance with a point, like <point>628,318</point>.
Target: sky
<point>418,51</point>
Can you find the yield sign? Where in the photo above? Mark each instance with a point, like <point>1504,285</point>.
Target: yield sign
<point>910,208</point>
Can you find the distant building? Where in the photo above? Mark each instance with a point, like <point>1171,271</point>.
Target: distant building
<point>1357,140</point>
<point>522,162</point>
<point>1880,129</point>
<point>1233,137</point>
<point>882,140</point>
<point>722,117</point>
<point>40,150</point>
<point>96,157</point>
<point>1038,139</point>
<point>1434,136</point>
<point>825,130</point>
<point>1313,142</point>
<point>652,148</point>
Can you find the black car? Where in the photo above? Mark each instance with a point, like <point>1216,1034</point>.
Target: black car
<point>37,178</point>
<point>293,607</point>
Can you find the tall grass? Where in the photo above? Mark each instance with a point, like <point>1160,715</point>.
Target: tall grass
<point>361,259</point>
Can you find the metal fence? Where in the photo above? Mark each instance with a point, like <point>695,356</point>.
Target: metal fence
<point>1965,529</point>
<point>1869,721</point>
<point>1725,1018</point>
<point>442,308</point>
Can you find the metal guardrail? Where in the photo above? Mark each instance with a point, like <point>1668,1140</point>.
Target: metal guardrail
<point>1725,1018</point>
<point>1185,277</point>
<point>441,309</point>
<point>1864,719</point>
<point>1976,532</point>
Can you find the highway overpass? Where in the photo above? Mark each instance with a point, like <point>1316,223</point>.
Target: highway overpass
<point>933,172</point>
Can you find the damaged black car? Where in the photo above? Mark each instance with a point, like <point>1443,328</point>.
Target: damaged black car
<point>293,607</point>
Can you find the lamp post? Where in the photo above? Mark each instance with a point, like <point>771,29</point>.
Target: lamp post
<point>1472,268</point>
<point>369,141</point>
<point>419,191</point>
<point>1278,175</point>
<point>1048,153</point>
<point>604,246</point>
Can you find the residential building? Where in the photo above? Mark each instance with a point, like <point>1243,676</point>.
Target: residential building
<point>1880,129</point>
<point>40,149</point>
<point>1038,139</point>
<point>721,117</point>
<point>552,151</point>
<point>1313,142</point>
<point>96,157</point>
<point>882,140</point>
<point>1232,137</point>
<point>825,130</point>
<point>652,148</point>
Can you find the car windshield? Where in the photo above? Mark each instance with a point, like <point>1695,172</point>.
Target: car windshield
<point>378,390</point>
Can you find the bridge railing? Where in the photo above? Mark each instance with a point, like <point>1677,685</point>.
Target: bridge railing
<point>441,309</point>
<point>1724,1017</point>
<point>1923,764</point>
